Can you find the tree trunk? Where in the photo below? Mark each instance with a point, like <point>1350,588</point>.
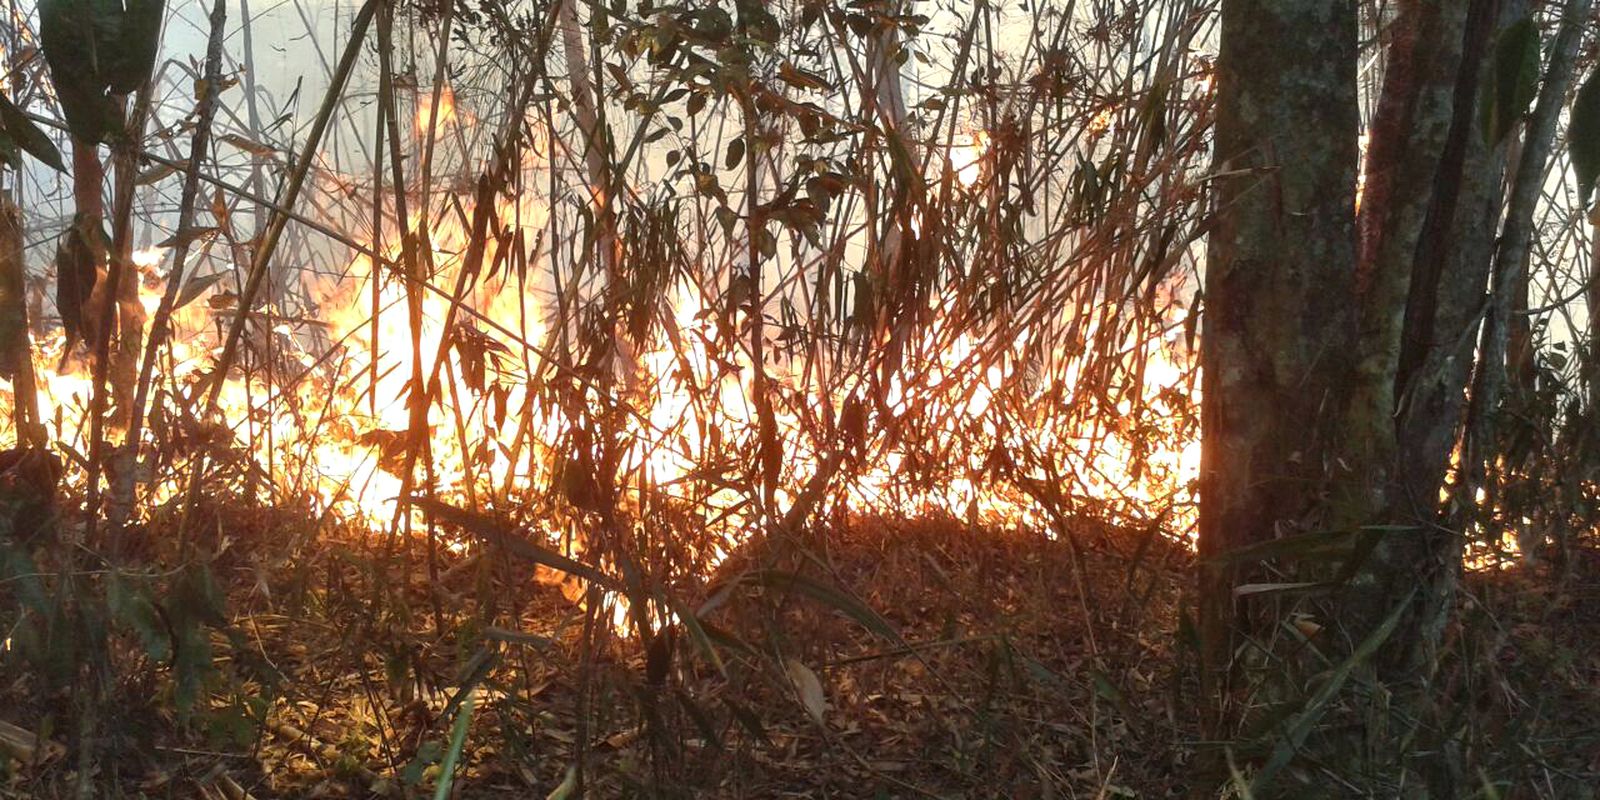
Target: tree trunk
<point>1443,312</point>
<point>1413,168</point>
<point>1278,284</point>
<point>586,110</point>
<point>1511,257</point>
<point>16,350</point>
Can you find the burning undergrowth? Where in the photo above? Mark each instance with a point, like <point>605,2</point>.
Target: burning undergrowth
<point>648,434</point>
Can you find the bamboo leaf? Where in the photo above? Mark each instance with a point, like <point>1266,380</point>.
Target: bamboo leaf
<point>827,595</point>
<point>569,785</point>
<point>27,135</point>
<point>187,236</point>
<point>1513,79</point>
<point>1290,742</point>
<point>494,532</point>
<point>134,46</point>
<point>1583,135</point>
<point>133,608</point>
<point>808,687</point>
<point>458,741</point>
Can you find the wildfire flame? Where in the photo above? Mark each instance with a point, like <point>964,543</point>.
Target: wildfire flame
<point>969,429</point>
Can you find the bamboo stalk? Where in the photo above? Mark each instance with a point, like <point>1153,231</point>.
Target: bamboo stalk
<point>160,326</point>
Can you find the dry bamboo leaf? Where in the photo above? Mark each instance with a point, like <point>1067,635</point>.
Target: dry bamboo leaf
<point>158,172</point>
<point>810,689</point>
<point>250,145</point>
<point>21,744</point>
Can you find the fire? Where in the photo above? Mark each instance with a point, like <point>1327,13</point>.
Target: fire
<point>993,429</point>
<point>966,160</point>
<point>446,111</point>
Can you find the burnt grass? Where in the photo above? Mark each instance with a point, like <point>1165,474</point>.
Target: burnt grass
<point>991,664</point>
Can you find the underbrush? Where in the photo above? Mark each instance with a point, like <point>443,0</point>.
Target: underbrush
<point>869,658</point>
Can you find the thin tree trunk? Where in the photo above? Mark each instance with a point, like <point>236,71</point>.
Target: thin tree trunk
<point>1511,258</point>
<point>16,351</point>
<point>1410,136</point>
<point>586,111</point>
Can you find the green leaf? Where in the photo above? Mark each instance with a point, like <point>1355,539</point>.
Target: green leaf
<point>96,49</point>
<point>20,575</point>
<point>428,754</point>
<point>191,665</point>
<point>130,605</point>
<point>27,135</point>
<point>196,597</point>
<point>1583,135</point>
<point>458,740</point>
<point>1331,682</point>
<point>197,286</point>
<point>9,154</point>
<point>91,116</point>
<point>1513,79</point>
<point>1315,545</point>
<point>133,50</point>
<point>568,787</point>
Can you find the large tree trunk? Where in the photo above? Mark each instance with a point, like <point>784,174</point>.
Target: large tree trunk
<point>1278,288</point>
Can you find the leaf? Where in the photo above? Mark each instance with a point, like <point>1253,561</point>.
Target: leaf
<point>458,740</point>
<point>191,665</point>
<point>735,152</point>
<point>187,236</point>
<point>9,154</point>
<point>569,785</point>
<point>197,597</point>
<point>1313,545</point>
<point>133,608</point>
<point>28,136</point>
<point>1513,79</point>
<point>1330,684</point>
<point>1108,691</point>
<point>851,607</point>
<point>697,632</point>
<point>748,720</point>
<point>1583,135</point>
<point>157,172</point>
<point>1245,589</point>
<point>428,754</point>
<point>250,146</point>
<point>134,45</point>
<point>491,530</point>
<point>808,687</point>
<point>96,49</point>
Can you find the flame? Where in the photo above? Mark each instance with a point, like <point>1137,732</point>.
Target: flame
<point>446,111</point>
<point>983,428</point>
<point>966,159</point>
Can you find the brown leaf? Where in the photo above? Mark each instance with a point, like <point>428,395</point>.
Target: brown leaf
<point>810,689</point>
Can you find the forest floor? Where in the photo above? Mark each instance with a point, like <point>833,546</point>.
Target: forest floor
<point>1010,665</point>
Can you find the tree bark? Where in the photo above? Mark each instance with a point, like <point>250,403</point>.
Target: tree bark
<point>1413,164</point>
<point>1278,285</point>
